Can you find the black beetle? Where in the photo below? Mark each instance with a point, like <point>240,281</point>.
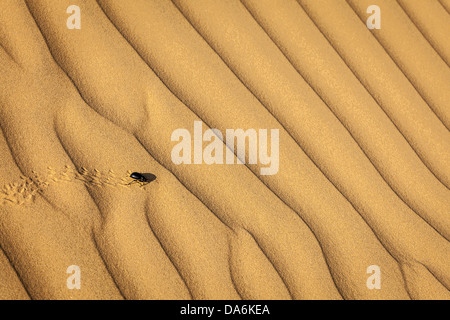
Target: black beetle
<point>142,178</point>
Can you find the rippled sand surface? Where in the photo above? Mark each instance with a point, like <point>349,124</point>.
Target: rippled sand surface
<point>364,150</point>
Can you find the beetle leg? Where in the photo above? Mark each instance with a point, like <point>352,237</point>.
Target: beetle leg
<point>132,182</point>
<point>143,183</point>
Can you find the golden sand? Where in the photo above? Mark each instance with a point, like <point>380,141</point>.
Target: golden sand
<point>364,151</point>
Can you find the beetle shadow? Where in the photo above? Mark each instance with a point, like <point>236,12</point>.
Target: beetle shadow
<point>149,176</point>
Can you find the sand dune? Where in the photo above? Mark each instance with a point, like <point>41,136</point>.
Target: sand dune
<point>364,149</point>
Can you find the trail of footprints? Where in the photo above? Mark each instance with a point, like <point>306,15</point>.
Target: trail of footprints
<point>26,188</point>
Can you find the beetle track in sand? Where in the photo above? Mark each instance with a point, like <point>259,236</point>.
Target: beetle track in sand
<point>24,190</point>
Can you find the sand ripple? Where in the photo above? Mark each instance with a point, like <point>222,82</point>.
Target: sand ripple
<point>364,153</point>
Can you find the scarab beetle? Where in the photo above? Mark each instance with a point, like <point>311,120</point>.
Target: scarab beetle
<point>142,178</point>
